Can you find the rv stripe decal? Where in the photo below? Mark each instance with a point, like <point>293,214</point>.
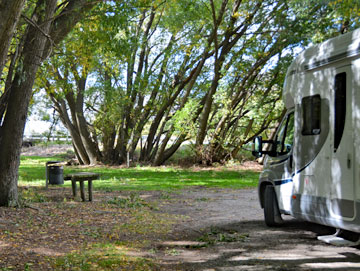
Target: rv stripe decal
<point>280,182</point>
<point>300,170</point>
<point>322,62</point>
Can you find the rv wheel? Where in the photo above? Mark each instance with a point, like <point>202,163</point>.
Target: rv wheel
<point>271,209</point>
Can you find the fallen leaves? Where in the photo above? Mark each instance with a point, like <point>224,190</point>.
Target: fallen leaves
<point>52,230</point>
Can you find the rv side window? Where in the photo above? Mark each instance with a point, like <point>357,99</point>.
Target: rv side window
<point>284,138</point>
<point>311,115</point>
<point>340,108</point>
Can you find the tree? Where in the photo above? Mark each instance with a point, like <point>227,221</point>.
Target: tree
<point>171,71</point>
<point>9,14</point>
<point>271,30</point>
<point>132,70</point>
<point>48,25</point>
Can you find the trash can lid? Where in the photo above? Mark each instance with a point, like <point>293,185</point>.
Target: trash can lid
<point>54,163</point>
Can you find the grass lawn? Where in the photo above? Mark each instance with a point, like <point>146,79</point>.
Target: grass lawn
<point>32,173</point>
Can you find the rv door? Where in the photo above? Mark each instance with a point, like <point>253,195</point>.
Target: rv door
<point>342,149</point>
<point>280,166</point>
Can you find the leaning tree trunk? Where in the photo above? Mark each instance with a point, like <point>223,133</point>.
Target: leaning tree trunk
<point>12,130</point>
<point>9,13</point>
<point>75,136</point>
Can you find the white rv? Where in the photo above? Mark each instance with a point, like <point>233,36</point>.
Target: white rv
<point>312,170</point>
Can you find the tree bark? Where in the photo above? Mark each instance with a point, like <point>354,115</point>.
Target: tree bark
<point>12,130</point>
<point>90,146</point>
<point>79,148</point>
<point>10,11</point>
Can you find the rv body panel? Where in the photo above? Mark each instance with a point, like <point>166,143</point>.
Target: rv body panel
<point>356,126</point>
<point>318,178</point>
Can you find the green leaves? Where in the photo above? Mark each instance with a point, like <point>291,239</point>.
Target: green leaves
<point>153,66</point>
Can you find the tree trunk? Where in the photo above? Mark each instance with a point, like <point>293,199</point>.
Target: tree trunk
<point>60,107</point>
<point>166,154</point>
<point>32,55</point>
<point>89,145</point>
<point>10,12</point>
<point>12,129</point>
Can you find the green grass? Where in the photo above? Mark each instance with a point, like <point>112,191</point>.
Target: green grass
<point>32,173</point>
<point>103,257</point>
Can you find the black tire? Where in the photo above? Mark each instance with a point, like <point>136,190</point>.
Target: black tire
<point>271,208</point>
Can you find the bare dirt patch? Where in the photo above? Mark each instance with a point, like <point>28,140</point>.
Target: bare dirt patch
<point>236,238</point>
<point>46,151</point>
<point>247,165</point>
<point>194,229</point>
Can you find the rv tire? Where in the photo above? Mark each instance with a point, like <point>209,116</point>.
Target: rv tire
<point>271,209</point>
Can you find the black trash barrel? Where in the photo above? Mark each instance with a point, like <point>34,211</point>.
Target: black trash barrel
<point>55,172</point>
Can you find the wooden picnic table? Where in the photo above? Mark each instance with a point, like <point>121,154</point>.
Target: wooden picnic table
<point>82,177</point>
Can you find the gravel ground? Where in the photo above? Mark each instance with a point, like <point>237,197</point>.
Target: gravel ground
<point>242,240</point>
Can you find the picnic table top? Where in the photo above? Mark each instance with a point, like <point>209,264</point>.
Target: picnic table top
<point>82,175</point>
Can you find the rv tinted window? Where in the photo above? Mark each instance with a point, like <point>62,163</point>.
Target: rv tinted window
<point>340,108</point>
<point>289,137</point>
<point>311,115</point>
<point>285,136</point>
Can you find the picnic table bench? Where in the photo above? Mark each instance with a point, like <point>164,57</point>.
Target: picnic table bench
<point>82,177</point>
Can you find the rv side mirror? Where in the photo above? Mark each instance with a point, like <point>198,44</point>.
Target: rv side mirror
<point>257,147</point>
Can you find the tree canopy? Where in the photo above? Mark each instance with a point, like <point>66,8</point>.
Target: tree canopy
<point>141,78</point>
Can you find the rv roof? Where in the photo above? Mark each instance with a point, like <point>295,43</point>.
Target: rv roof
<point>335,49</point>
<point>315,57</point>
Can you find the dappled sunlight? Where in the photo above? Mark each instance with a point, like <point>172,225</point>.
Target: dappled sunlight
<point>3,245</point>
<point>298,253</point>
<point>337,178</point>
<point>332,265</point>
<point>244,254</point>
<point>45,251</point>
<point>176,251</point>
<point>286,189</point>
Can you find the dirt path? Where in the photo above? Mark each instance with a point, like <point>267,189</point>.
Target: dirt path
<point>224,230</point>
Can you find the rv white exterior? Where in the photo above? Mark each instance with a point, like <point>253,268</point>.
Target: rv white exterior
<point>313,169</point>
